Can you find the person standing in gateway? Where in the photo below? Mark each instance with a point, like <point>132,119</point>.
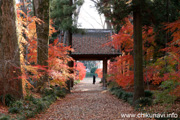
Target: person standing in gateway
<point>94,79</point>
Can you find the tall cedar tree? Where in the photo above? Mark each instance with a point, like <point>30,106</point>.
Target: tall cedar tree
<point>41,10</point>
<point>61,13</point>
<point>10,72</point>
<point>138,51</point>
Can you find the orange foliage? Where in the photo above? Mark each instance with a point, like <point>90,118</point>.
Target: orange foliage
<point>173,49</point>
<point>58,69</point>
<point>122,69</point>
<point>80,70</point>
<point>99,72</point>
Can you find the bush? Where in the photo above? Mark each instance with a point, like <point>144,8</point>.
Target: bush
<point>148,93</point>
<point>47,92</point>
<point>29,113</point>
<point>60,93</point>
<point>40,106</point>
<point>130,100</point>
<point>9,99</point>
<point>16,107</point>
<point>164,96</point>
<point>14,110</point>
<point>120,93</point>
<point>127,95</point>
<point>4,117</point>
<point>143,101</point>
<point>31,106</point>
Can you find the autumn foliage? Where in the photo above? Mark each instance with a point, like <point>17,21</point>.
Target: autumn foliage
<point>163,69</point>
<point>58,70</point>
<point>99,72</point>
<point>80,71</point>
<point>120,69</point>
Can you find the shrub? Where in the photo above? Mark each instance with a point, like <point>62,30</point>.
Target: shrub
<point>164,96</point>
<point>16,107</point>
<point>30,106</point>
<point>47,92</point>
<point>29,98</point>
<point>148,93</point>
<point>60,93</point>
<point>130,100</point>
<point>9,99</point>
<point>143,101</point>
<point>119,93</point>
<point>4,117</point>
<point>40,106</point>
<point>29,113</point>
<point>127,95</point>
<point>14,110</point>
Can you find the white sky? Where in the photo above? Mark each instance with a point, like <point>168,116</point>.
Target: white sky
<point>89,17</point>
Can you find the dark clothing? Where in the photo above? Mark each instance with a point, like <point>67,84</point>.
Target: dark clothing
<point>94,79</point>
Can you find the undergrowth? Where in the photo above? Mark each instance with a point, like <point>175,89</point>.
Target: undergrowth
<point>30,106</point>
<point>128,97</point>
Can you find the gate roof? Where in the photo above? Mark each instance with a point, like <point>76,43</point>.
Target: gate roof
<point>90,45</point>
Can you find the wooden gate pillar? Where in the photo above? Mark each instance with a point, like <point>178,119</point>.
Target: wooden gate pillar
<point>104,73</point>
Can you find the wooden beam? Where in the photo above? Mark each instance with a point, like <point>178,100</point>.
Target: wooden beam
<point>93,56</point>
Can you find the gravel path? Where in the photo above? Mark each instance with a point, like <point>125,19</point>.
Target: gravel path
<point>87,102</point>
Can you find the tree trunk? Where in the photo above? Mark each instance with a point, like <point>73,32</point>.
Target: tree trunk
<point>41,10</point>
<point>10,70</point>
<point>70,81</point>
<point>138,54</point>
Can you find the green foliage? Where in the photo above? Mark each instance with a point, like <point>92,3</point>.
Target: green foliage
<point>130,100</point>
<point>55,91</point>
<point>60,93</point>
<point>128,97</point>
<point>29,113</point>
<point>9,99</point>
<point>76,82</point>
<point>4,117</point>
<point>89,74</point>
<point>47,92</point>
<point>93,70</point>
<point>121,94</point>
<point>30,106</point>
<point>164,95</point>
<point>16,107</point>
<point>142,102</point>
<point>112,8</point>
<point>41,105</point>
<point>61,12</point>
<point>148,93</point>
<point>14,110</point>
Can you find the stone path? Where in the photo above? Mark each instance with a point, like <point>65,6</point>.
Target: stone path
<point>88,102</point>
